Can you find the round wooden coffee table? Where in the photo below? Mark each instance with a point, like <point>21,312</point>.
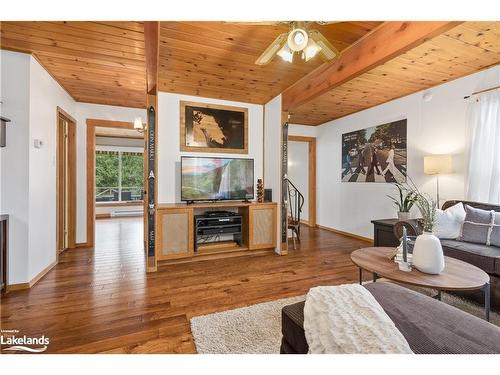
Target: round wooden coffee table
<point>456,276</point>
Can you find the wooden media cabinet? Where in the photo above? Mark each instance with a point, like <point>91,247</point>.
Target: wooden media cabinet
<point>175,230</point>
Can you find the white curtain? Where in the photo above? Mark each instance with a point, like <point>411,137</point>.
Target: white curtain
<point>483,169</point>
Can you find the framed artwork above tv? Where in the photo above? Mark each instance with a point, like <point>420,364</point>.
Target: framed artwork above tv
<point>213,128</point>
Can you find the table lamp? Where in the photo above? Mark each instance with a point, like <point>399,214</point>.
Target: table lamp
<point>436,165</point>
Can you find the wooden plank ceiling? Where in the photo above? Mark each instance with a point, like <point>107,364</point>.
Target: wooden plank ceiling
<point>96,62</point>
<point>104,62</point>
<point>463,50</point>
<point>216,59</point>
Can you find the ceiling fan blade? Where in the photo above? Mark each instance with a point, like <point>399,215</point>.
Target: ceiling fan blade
<point>258,23</point>
<point>327,52</point>
<point>271,50</point>
<point>323,23</point>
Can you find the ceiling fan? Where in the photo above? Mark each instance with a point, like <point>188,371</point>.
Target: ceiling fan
<point>299,40</point>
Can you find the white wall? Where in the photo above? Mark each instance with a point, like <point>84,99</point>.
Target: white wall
<point>45,96</point>
<point>302,130</point>
<point>272,154</point>
<point>298,172</point>
<point>86,111</point>
<point>434,127</point>
<point>298,154</point>
<point>28,175</point>
<point>169,154</point>
<point>15,160</point>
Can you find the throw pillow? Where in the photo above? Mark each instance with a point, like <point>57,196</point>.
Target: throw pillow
<point>495,231</point>
<point>476,226</point>
<point>448,223</point>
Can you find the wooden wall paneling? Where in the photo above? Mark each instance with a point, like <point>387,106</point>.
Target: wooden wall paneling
<point>311,141</point>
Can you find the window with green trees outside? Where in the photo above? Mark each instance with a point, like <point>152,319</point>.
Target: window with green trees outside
<point>118,176</point>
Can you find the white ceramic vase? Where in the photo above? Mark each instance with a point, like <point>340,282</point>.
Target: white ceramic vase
<point>403,215</point>
<point>428,254</point>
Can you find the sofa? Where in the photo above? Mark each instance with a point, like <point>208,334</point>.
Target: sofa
<point>485,257</point>
<point>428,325</point>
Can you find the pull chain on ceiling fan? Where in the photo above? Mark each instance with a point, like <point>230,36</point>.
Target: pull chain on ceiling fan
<point>299,40</point>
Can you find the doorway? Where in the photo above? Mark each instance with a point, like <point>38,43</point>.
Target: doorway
<point>65,181</point>
<point>115,180</point>
<point>302,173</point>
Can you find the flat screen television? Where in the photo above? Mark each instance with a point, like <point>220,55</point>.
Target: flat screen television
<point>213,178</point>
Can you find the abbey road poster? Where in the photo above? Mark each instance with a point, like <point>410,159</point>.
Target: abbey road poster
<point>376,154</point>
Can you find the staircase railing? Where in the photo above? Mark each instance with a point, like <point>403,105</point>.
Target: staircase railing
<point>295,201</point>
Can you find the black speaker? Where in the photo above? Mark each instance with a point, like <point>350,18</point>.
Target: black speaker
<point>268,195</point>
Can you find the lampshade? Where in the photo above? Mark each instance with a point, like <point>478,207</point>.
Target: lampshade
<point>138,124</point>
<point>438,164</point>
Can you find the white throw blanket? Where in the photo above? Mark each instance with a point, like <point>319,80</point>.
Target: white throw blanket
<point>347,319</point>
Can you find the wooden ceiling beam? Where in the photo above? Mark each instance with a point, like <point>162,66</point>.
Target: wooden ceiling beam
<point>384,43</point>
<point>151,44</point>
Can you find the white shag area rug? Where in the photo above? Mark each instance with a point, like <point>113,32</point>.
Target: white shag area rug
<point>256,329</point>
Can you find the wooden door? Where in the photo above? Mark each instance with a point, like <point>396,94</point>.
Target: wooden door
<point>62,194</point>
<point>66,182</point>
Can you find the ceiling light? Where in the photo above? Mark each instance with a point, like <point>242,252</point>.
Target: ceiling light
<point>311,50</point>
<point>297,39</point>
<point>286,53</point>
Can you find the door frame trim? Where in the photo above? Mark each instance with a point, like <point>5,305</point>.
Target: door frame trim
<point>91,125</point>
<point>71,178</point>
<point>311,176</point>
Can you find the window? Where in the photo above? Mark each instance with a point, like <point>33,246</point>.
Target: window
<point>118,176</point>
<point>483,172</point>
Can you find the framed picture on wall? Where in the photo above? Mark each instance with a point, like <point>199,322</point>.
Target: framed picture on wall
<point>375,154</point>
<point>213,128</point>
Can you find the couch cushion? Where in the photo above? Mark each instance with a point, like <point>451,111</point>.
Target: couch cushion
<point>292,328</point>
<point>477,225</point>
<point>433,327</point>
<point>495,230</point>
<point>448,223</point>
<point>429,326</point>
<point>481,256</point>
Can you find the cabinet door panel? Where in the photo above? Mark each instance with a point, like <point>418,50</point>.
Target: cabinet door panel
<point>263,227</point>
<point>175,227</point>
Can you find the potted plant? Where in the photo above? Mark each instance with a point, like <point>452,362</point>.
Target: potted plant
<point>427,253</point>
<point>404,201</point>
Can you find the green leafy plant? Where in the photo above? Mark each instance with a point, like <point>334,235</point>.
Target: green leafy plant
<point>405,199</point>
<point>427,207</point>
<point>425,204</point>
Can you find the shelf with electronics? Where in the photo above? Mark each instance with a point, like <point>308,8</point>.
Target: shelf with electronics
<point>176,230</point>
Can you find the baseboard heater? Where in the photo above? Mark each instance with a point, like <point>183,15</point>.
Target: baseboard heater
<point>125,213</point>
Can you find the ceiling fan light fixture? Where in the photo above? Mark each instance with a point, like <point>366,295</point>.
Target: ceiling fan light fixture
<point>297,39</point>
<point>286,53</point>
<point>311,50</point>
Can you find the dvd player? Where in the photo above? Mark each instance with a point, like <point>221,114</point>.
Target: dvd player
<point>219,213</point>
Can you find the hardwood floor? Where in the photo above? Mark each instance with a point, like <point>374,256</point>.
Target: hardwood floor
<point>102,301</point>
